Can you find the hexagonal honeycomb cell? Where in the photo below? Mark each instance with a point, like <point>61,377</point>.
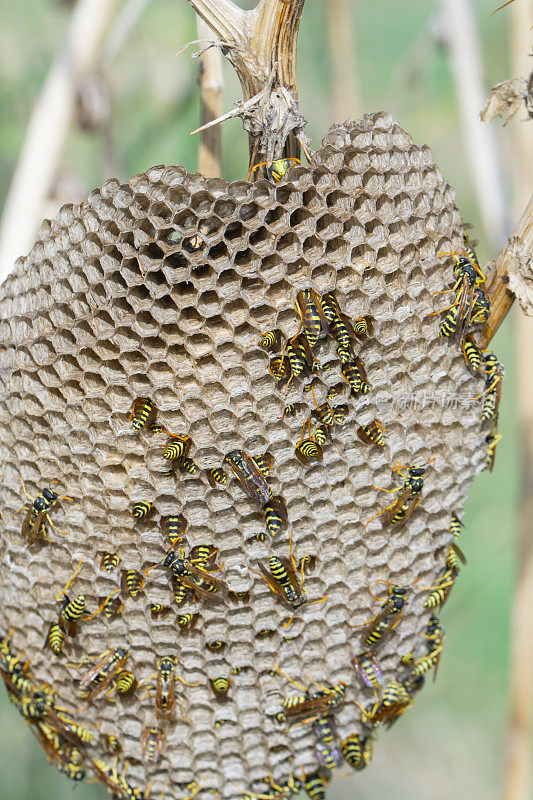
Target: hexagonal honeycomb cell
<point>161,289</point>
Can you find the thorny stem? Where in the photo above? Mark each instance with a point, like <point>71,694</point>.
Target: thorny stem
<point>261,46</point>
<point>511,262</point>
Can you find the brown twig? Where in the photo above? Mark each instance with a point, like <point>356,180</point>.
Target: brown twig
<point>261,46</point>
<point>48,126</point>
<point>211,88</point>
<point>509,268</point>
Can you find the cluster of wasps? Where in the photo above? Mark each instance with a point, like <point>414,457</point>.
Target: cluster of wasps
<point>469,311</point>
<point>61,737</point>
<point>192,569</point>
<point>320,316</point>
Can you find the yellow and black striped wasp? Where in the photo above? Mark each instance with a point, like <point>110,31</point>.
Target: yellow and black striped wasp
<point>152,743</point>
<point>372,433</point>
<point>220,687</point>
<point>251,473</point>
<point>165,694</point>
<point>455,525</point>
<point>311,705</point>
<point>408,499</point>
<point>193,577</point>
<point>55,638</point>
<point>270,341</point>
<point>368,669</point>
<point>472,354</point>
<point>282,578</point>
<point>354,374</point>
<point>174,528</point>
<point>125,682</point>
<point>143,413</point>
<point>216,477</point>
<point>357,751</point>
<point>312,317</point>
<point>100,674</point>
<point>396,700</point>
<point>276,169</point>
<point>386,620</point>
<point>315,786</point>
<point>307,449</point>
<point>34,521</point>
<point>495,372</point>
<point>440,592</point>
<point>131,582</point>
<point>177,447</point>
<point>142,509</point>
<point>116,783</point>
<point>71,610</point>
<point>491,440</point>
<point>434,634</point>
<point>109,561</point>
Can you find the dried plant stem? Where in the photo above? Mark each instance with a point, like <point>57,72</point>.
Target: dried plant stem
<point>344,95</point>
<point>466,64</point>
<point>211,97</point>
<point>518,746</point>
<point>518,251</point>
<point>48,128</point>
<point>261,45</point>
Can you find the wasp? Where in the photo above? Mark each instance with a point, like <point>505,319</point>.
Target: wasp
<point>396,701</point>
<point>55,638</point>
<point>220,687</point>
<point>491,441</point>
<point>113,743</point>
<point>435,636</point>
<point>116,783</point>
<point>177,447</point>
<point>141,509</point>
<point>174,527</point>
<point>472,354</point>
<point>270,341</point>
<point>189,466</point>
<point>408,499</point>
<point>312,317</point>
<point>251,477</point>
<point>180,591</point>
<point>261,536</point>
<point>368,669</point>
<point>307,449</point>
<point>185,620</point>
<point>99,675</point>
<point>455,557</point>
<point>109,561</point>
<point>166,688</point>
<point>324,414</point>
<point>389,616</point>
<point>360,326</point>
<point>325,730</point>
<point>340,413</point>
<point>327,757</point>
<point>357,751</point>
<point>280,367</point>
<point>131,582</point>
<point>152,742</point>
<point>71,611</point>
<point>37,513</point>
<point>216,645</point>
<point>158,610</point>
<point>455,525</point>
<point>495,372</point>
<point>321,434</point>
<point>298,352</point>
<point>288,411</point>
<point>142,413</point>
<point>315,786</point>
<point>265,633</point>
<point>354,374</point>
<point>239,670</point>
<point>282,579</point>
<point>204,556</point>
<point>373,433</point>
<point>238,595</point>
<point>65,756</point>
<point>284,792</point>
<point>341,329</point>
<point>216,477</point>
<point>276,516</point>
<point>441,591</point>
<point>194,577</point>
<point>315,704</point>
<point>276,169</point>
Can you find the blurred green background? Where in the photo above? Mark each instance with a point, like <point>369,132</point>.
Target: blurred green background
<point>452,743</point>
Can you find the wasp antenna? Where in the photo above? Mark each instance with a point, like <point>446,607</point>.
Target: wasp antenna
<point>71,581</point>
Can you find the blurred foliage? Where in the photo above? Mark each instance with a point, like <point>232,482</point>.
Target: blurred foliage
<point>452,743</point>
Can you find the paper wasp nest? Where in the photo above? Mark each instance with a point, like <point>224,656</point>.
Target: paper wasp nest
<point>119,300</point>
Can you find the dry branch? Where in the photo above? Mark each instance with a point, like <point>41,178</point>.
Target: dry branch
<point>211,88</point>
<point>261,45</point>
<point>48,128</point>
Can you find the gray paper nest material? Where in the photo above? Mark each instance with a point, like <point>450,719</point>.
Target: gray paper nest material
<point>107,307</point>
